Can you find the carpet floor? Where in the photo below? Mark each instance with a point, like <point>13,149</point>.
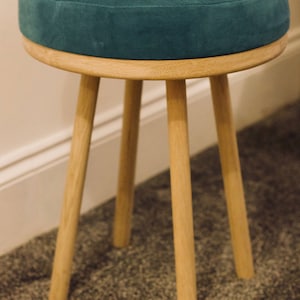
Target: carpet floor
<point>270,158</point>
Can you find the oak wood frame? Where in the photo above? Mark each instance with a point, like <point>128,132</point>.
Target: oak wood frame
<point>174,72</point>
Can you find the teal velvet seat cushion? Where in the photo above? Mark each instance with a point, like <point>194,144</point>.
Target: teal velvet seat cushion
<point>153,29</point>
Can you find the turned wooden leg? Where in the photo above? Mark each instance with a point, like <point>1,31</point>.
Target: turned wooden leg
<point>74,187</point>
<point>181,191</point>
<point>232,177</point>
<point>125,193</point>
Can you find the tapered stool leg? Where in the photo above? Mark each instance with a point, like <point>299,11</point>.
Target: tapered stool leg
<point>124,200</point>
<point>74,187</point>
<point>232,177</point>
<point>181,191</point>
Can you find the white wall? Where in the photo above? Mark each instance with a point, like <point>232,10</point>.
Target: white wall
<point>36,110</point>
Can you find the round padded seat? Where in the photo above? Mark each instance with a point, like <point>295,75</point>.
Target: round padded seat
<point>171,40</point>
<point>153,29</point>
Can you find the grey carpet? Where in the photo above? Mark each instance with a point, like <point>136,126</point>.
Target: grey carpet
<point>270,157</point>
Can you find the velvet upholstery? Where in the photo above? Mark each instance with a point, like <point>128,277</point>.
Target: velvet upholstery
<point>153,29</point>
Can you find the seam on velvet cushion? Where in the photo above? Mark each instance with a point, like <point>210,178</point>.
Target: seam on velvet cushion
<point>146,5</point>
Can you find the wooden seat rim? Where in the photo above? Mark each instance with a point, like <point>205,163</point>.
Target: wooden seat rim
<point>155,69</point>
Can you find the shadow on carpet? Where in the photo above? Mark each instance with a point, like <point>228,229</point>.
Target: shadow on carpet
<point>270,158</point>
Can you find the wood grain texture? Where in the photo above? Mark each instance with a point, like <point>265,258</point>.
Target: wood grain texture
<point>155,69</point>
<point>74,187</point>
<point>181,190</point>
<point>232,177</point>
<point>128,153</point>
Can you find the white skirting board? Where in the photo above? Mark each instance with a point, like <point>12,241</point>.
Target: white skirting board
<point>32,179</point>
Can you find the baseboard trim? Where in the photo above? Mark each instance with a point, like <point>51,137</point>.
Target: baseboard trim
<point>32,166</point>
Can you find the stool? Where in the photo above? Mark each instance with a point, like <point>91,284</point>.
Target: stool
<point>172,40</point>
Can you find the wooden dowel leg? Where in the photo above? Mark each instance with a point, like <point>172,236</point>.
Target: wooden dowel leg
<point>125,193</point>
<point>181,191</point>
<point>74,188</point>
<point>232,177</point>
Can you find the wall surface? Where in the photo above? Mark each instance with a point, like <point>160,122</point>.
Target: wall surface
<point>37,106</point>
